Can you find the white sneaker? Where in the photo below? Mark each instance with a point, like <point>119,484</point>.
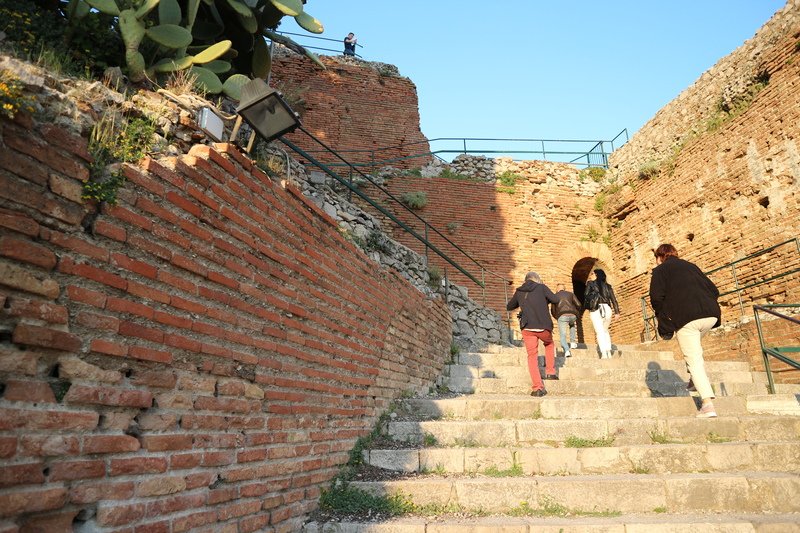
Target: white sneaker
<point>573,345</point>
<point>567,354</point>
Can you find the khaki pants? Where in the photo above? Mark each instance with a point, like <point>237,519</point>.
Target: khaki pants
<point>689,337</point>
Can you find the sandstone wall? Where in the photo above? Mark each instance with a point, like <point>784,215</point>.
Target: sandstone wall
<point>201,355</point>
<point>543,223</point>
<point>355,107</point>
<point>722,194</point>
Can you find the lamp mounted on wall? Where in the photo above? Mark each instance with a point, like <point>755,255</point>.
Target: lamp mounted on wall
<point>263,108</point>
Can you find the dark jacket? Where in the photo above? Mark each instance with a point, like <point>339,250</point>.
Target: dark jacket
<point>680,293</point>
<point>567,304</point>
<point>532,298</point>
<point>606,291</point>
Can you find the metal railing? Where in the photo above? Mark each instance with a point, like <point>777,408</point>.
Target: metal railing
<point>778,352</point>
<point>316,38</point>
<point>744,278</point>
<point>590,152</point>
<point>353,189</point>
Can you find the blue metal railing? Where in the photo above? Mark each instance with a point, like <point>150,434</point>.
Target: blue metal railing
<point>588,152</point>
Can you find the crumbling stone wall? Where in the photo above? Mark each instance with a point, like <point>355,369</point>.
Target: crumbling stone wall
<point>202,354</point>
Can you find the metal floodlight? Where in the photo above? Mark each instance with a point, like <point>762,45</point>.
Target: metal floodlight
<point>268,114</point>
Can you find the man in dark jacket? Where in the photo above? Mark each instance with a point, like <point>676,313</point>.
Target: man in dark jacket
<point>535,323</point>
<point>566,311</point>
<point>685,302</point>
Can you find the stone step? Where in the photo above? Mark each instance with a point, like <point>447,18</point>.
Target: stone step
<point>775,456</point>
<point>475,407</point>
<point>680,429</point>
<point>786,404</point>
<point>605,374</point>
<point>749,492</point>
<point>520,384</point>
<point>490,361</point>
<point>654,523</point>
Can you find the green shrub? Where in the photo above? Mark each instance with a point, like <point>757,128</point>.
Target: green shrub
<point>434,276</point>
<point>343,498</point>
<point>114,142</point>
<point>415,199</point>
<point>596,173</point>
<point>600,201</point>
<point>508,178</point>
<point>649,170</point>
<point>450,175</point>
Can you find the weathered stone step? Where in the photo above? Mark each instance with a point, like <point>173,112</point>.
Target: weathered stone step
<point>500,433</point>
<point>772,456</point>
<point>749,492</point>
<point>491,361</point>
<point>474,407</point>
<point>786,404</point>
<point>521,384</point>
<point>603,373</point>
<point>654,523</point>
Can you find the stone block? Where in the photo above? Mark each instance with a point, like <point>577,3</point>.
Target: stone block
<point>719,493</point>
<point>450,460</point>
<point>398,460</point>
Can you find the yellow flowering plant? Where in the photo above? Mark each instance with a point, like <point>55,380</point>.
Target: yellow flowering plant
<point>12,98</point>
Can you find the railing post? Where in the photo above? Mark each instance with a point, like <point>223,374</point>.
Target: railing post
<point>426,244</point>
<point>483,285</point>
<point>767,367</point>
<point>544,154</point>
<point>738,291</point>
<point>508,313</point>
<point>446,286</point>
<point>350,189</point>
<point>646,322</point>
<point>465,145</point>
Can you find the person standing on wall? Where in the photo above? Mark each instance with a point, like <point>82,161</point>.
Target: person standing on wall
<point>685,303</point>
<point>535,324</point>
<point>566,311</point>
<point>600,301</point>
<point>350,44</point>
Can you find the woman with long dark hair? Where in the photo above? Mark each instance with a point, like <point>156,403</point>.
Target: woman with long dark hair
<point>607,308</point>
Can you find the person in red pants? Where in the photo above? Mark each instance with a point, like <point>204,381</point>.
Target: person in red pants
<point>532,298</point>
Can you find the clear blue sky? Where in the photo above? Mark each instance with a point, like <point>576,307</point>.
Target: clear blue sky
<point>543,69</point>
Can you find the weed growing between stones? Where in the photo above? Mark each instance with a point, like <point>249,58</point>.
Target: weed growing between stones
<point>414,199</point>
<point>661,438</point>
<point>717,439</point>
<point>578,442</point>
<point>548,507</point>
<point>515,470</point>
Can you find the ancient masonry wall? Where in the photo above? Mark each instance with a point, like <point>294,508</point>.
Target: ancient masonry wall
<point>721,194</point>
<point>508,230</point>
<point>203,354</point>
<point>357,108</point>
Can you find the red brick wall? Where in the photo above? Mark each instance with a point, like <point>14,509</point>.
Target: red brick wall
<point>353,107</point>
<point>202,355</point>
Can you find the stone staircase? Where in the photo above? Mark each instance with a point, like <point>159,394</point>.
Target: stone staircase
<point>614,447</point>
